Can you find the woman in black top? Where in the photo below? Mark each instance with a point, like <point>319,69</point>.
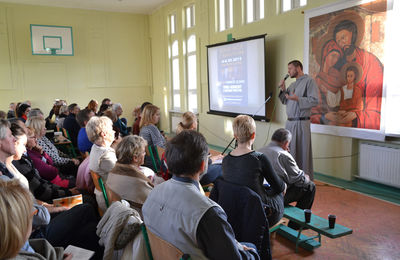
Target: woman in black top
<point>243,166</point>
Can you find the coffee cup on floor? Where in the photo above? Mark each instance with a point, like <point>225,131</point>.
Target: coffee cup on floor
<point>332,220</point>
<point>307,215</point>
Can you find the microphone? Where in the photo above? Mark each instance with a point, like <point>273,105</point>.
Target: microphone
<point>268,98</point>
<point>285,78</point>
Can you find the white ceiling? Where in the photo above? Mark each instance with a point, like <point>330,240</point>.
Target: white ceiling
<point>129,6</point>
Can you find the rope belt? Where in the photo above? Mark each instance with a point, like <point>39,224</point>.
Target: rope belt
<point>298,118</point>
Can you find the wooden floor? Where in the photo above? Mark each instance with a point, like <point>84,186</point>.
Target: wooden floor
<point>375,224</point>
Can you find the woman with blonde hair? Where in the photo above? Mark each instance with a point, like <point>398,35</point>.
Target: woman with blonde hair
<point>128,179</point>
<point>214,171</point>
<point>244,166</point>
<point>188,122</point>
<point>148,128</point>
<point>16,213</point>
<point>102,156</point>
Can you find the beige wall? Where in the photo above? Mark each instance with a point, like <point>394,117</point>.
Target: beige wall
<point>112,58</point>
<point>284,42</point>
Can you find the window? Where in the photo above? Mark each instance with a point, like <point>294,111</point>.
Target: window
<point>182,53</point>
<point>190,60</point>
<point>254,10</point>
<point>191,73</point>
<point>190,21</point>
<point>287,5</point>
<point>172,24</point>
<point>225,14</point>
<point>173,52</point>
<point>174,58</point>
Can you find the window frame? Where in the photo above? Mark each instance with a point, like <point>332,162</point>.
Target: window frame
<point>258,11</point>
<point>294,4</point>
<point>228,15</point>
<point>187,33</point>
<point>173,36</point>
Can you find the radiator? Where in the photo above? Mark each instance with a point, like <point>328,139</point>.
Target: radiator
<point>380,164</point>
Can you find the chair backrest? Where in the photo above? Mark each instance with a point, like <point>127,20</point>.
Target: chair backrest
<point>65,133</point>
<point>111,195</point>
<point>245,211</point>
<point>153,152</point>
<point>84,155</point>
<point>161,249</point>
<point>99,185</point>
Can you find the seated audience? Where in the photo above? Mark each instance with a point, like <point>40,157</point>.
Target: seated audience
<point>111,114</point>
<point>244,166</point>
<point>92,106</point>
<point>11,111</point>
<point>22,112</point>
<point>7,147</point>
<point>76,226</point>
<point>177,212</point>
<point>299,186</point>
<point>189,122</point>
<point>106,101</point>
<point>61,116</point>
<point>3,114</point>
<point>35,112</point>
<point>84,145</point>
<point>102,109</point>
<point>84,180</point>
<point>70,123</point>
<point>135,127</point>
<point>127,179</point>
<point>44,164</point>
<point>102,156</point>
<point>20,143</point>
<point>11,147</point>
<point>54,112</point>
<point>16,226</point>
<point>149,130</point>
<point>117,109</point>
<point>42,189</point>
<point>65,164</point>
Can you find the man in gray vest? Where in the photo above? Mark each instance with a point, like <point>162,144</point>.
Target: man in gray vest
<point>179,213</point>
<point>299,186</point>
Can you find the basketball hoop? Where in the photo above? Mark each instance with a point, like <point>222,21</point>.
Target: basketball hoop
<point>52,51</point>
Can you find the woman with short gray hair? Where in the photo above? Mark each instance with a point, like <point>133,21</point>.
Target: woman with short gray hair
<point>128,179</point>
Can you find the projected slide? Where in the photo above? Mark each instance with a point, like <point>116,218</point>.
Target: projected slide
<point>236,77</point>
<point>232,75</point>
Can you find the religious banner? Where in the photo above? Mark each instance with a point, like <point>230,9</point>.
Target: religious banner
<point>344,53</point>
